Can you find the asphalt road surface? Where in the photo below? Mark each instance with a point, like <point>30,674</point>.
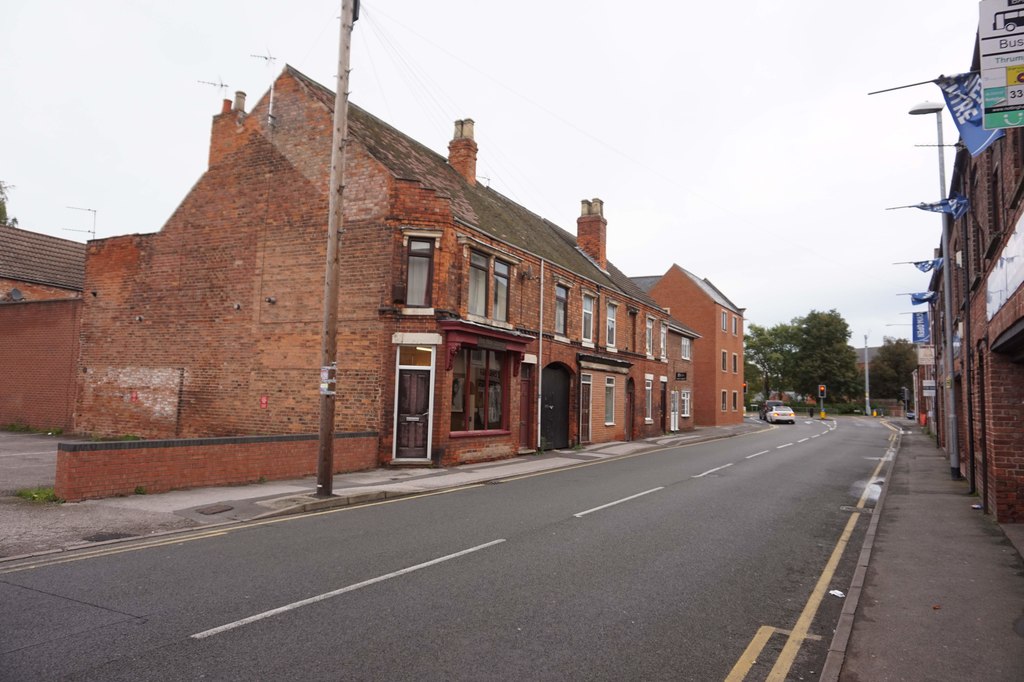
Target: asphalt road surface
<point>709,562</point>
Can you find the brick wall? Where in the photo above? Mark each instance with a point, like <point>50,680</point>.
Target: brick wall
<point>94,470</point>
<point>38,352</point>
<point>691,305</point>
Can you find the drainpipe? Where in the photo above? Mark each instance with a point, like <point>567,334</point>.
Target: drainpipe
<point>540,354</point>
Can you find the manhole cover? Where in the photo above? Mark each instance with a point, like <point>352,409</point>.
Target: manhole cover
<point>214,509</point>
<point>103,537</point>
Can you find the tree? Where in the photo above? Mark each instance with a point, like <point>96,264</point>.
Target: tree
<point>892,368</point>
<point>772,352</point>
<point>4,187</point>
<point>824,355</point>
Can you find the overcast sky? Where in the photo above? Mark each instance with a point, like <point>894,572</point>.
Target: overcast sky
<point>736,140</point>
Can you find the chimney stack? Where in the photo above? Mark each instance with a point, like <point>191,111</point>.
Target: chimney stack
<point>226,134</point>
<point>591,231</point>
<point>462,151</point>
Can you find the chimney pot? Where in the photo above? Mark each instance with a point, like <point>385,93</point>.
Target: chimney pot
<point>225,106</point>
<point>239,101</point>
<point>584,207</point>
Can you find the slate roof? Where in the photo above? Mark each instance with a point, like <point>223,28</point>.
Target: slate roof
<point>480,207</point>
<point>647,283</point>
<point>41,259</point>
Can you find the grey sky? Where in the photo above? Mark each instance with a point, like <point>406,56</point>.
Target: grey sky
<point>735,140</point>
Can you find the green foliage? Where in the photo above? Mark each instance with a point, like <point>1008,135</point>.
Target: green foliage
<point>797,356</point>
<point>892,368</point>
<point>825,355</point>
<point>140,490</point>
<point>40,494</point>
<point>4,187</point>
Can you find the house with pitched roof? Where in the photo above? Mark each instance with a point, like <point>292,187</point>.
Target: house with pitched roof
<point>40,299</point>
<point>718,358</point>
<point>469,327</point>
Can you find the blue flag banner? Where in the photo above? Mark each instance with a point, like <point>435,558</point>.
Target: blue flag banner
<point>928,265</point>
<point>922,331</point>
<point>963,97</point>
<point>956,205</point>
<point>924,297</point>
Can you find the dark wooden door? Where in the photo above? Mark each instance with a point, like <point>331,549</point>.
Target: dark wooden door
<point>413,413</point>
<point>554,420</point>
<point>630,401</point>
<point>527,400</point>
<point>585,412</point>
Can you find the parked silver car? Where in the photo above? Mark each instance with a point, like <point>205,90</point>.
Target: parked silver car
<point>781,413</point>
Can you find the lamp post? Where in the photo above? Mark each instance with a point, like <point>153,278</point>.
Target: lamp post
<point>867,380</point>
<point>947,297</point>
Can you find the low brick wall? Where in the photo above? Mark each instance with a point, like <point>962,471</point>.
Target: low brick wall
<point>95,470</point>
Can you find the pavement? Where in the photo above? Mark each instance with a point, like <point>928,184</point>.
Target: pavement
<point>938,593</point>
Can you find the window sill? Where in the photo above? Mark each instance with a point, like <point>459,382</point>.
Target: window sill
<point>476,434</point>
<point>418,311</point>
<point>609,423</point>
<point>587,344</point>
<point>611,349</point>
<point>648,421</point>
<point>562,339</point>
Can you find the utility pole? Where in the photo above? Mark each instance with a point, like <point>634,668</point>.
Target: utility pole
<point>867,381</point>
<point>329,333</point>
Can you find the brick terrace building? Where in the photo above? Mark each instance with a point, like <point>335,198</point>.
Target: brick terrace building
<point>718,357</point>
<point>988,308</point>
<point>40,300</point>
<point>469,328</point>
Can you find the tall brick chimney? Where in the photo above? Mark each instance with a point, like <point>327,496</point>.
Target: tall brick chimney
<point>225,135</point>
<point>462,151</point>
<point>591,230</point>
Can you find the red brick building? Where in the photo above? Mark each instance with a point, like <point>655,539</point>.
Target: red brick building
<point>469,327</point>
<point>40,300</point>
<point>718,356</point>
<point>988,307</point>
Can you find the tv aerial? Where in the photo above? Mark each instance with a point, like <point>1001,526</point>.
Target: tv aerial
<point>221,85</point>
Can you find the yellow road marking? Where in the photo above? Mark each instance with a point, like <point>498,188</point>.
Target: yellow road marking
<point>799,633</point>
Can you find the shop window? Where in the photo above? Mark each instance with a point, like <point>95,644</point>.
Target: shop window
<point>479,394</point>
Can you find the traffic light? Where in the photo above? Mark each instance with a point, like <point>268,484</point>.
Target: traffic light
<point>744,388</point>
<point>821,390</point>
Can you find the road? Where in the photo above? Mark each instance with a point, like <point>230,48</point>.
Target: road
<point>707,562</point>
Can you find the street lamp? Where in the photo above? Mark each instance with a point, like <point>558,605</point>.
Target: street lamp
<point>947,296</point>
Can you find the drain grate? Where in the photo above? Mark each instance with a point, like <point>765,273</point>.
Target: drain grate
<point>857,510</point>
<point>103,537</point>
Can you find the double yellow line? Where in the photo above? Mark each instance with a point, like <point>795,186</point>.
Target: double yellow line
<point>800,631</point>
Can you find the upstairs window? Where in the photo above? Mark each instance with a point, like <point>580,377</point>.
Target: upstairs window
<point>419,272</point>
<point>649,336</point>
<point>735,363</point>
<point>588,317</point>
<point>609,337</point>
<point>500,310</point>
<point>725,361</point>
<point>561,304</point>
<point>685,348</point>
<point>664,340</point>
<point>725,321</point>
<point>479,264</point>
<point>735,325</point>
